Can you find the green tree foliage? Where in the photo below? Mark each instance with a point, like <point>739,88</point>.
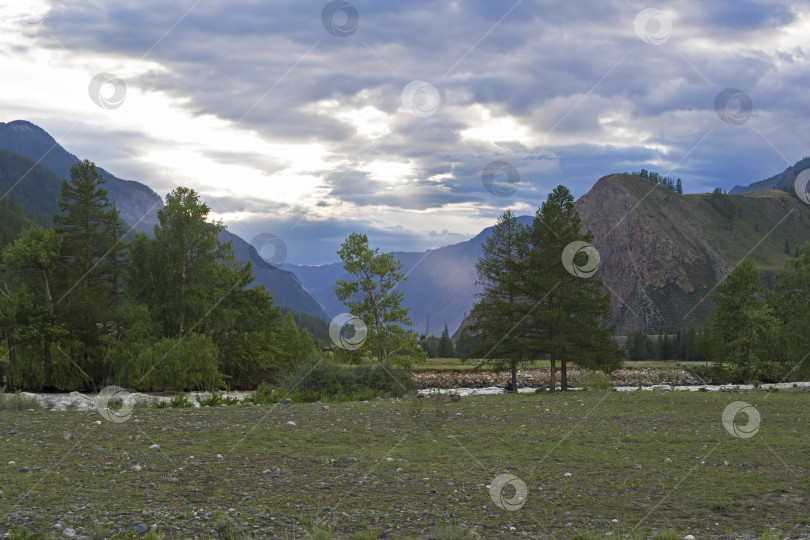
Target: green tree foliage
<point>446,348</point>
<point>497,320</point>
<point>30,265</point>
<point>183,317</point>
<point>736,337</point>
<point>88,285</point>
<point>567,311</point>
<point>531,305</point>
<point>639,346</point>
<point>370,293</point>
<point>721,201</point>
<point>184,272</point>
<point>789,302</point>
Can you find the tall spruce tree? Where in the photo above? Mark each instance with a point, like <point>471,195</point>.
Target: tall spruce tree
<point>88,285</point>
<point>497,330</point>
<point>446,348</point>
<point>567,310</point>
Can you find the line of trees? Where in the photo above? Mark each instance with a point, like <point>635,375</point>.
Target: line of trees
<point>672,184</point>
<point>761,335</point>
<point>532,305</point>
<point>81,308</point>
<point>682,346</point>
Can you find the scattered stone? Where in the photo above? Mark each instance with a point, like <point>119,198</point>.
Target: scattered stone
<point>287,401</point>
<point>135,468</point>
<point>667,460</point>
<point>348,459</point>
<point>455,397</point>
<point>568,474</point>
<point>69,532</point>
<point>24,469</point>
<point>141,528</point>
<point>66,435</point>
<point>291,423</point>
<point>151,485</point>
<point>688,537</point>
<point>703,389</point>
<point>219,456</point>
<point>389,459</point>
<point>325,407</point>
<point>12,432</point>
<point>154,447</point>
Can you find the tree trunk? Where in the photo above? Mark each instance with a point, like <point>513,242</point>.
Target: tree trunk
<point>48,359</point>
<point>12,355</point>
<point>553,385</point>
<point>564,375</point>
<point>514,377</point>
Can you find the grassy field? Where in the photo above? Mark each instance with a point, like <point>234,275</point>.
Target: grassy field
<point>455,363</point>
<point>595,465</point>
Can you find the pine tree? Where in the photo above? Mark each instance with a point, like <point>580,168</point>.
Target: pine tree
<point>567,310</point>
<point>499,317</point>
<point>446,349</point>
<point>678,187</point>
<point>88,287</point>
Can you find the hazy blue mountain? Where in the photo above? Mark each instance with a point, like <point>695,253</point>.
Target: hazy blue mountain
<point>137,203</point>
<point>440,289</point>
<point>777,181</point>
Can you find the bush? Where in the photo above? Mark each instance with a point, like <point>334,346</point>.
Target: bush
<point>216,399</point>
<point>595,380</point>
<point>324,380</point>
<point>18,402</point>
<point>329,379</point>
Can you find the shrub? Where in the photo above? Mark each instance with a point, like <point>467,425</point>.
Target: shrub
<point>326,378</point>
<point>595,380</point>
<point>18,402</point>
<point>216,399</point>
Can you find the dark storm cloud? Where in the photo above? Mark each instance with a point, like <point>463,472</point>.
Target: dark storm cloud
<point>594,98</point>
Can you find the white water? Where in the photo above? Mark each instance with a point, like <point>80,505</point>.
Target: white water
<point>87,402</point>
<point>661,387</point>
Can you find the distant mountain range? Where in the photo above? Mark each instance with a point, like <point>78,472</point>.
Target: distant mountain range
<point>33,164</point>
<point>661,253</point>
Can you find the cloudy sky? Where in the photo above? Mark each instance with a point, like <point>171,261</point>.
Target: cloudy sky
<point>308,119</point>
